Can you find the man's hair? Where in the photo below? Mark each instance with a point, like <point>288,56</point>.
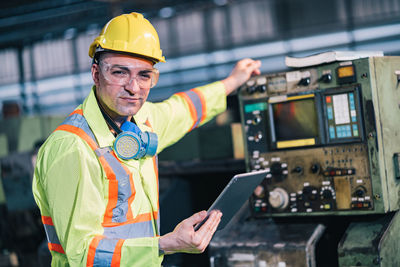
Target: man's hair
<point>98,57</point>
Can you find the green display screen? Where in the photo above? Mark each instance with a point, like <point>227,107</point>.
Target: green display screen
<point>256,106</point>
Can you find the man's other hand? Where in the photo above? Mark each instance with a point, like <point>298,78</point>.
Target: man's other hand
<point>242,71</point>
<point>185,239</point>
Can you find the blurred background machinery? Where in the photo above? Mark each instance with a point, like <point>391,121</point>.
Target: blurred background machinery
<point>45,74</point>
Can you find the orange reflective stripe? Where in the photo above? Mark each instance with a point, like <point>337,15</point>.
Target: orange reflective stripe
<point>78,131</point>
<point>112,189</point>
<point>192,109</point>
<point>56,247</point>
<point>47,220</point>
<point>116,258</point>
<point>148,124</point>
<point>107,168</point>
<point>92,250</point>
<point>144,217</point>
<point>77,111</point>
<point>203,103</point>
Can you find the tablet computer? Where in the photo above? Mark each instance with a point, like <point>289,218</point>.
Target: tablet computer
<point>235,193</point>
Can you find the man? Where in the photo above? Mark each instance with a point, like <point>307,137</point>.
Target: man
<point>96,178</point>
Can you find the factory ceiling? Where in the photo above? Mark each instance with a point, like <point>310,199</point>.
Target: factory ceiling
<point>25,21</point>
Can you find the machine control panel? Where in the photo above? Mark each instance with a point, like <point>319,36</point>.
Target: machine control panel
<point>313,180</point>
<point>314,131</point>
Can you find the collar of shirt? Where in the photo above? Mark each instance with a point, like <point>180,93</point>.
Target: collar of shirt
<point>97,123</point>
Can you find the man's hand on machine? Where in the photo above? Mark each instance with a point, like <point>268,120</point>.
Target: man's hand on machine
<point>184,238</point>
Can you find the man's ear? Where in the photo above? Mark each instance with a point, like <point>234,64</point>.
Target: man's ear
<point>95,74</point>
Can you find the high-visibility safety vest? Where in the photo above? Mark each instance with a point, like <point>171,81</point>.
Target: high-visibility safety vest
<point>101,210</point>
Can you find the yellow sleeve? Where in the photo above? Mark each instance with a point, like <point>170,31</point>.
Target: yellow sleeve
<point>185,111</point>
<point>69,186</point>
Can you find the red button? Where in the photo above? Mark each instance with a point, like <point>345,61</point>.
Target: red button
<point>328,99</point>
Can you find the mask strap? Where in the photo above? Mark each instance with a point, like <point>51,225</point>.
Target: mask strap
<point>109,121</point>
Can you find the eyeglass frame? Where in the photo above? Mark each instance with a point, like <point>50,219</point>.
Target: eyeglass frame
<point>153,70</point>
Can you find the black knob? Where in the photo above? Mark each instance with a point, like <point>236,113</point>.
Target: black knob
<point>360,193</point>
<point>276,168</point>
<point>257,119</point>
<point>278,172</point>
<point>304,82</point>
<point>261,88</point>
<point>326,78</point>
<point>251,89</point>
<point>307,190</point>
<point>327,194</point>
<point>310,193</point>
<point>258,136</point>
<point>298,169</point>
<point>315,168</point>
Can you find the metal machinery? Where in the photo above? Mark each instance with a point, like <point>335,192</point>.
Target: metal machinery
<point>329,135</point>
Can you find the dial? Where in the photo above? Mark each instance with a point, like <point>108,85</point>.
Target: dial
<point>279,170</point>
<point>278,198</point>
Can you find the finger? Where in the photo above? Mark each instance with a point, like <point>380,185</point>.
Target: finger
<point>256,68</point>
<point>245,61</point>
<point>244,64</point>
<point>197,217</point>
<point>256,72</point>
<point>208,225</point>
<point>207,238</point>
<point>255,64</point>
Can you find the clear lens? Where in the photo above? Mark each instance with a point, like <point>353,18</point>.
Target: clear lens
<point>124,75</point>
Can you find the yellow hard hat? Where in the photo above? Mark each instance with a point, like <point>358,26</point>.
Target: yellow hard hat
<point>129,33</point>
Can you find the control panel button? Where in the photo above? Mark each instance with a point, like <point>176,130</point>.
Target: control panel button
<point>325,78</point>
<point>278,198</point>
<point>304,81</point>
<point>315,168</point>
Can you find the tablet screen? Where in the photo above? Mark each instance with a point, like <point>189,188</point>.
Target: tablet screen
<point>231,199</point>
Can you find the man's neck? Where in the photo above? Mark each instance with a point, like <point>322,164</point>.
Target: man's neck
<point>117,119</point>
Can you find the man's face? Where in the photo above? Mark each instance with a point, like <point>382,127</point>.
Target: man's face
<point>122,84</point>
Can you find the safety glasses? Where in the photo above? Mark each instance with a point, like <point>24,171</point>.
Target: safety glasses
<point>124,75</point>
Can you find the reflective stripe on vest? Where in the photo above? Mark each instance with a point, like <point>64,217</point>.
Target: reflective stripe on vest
<point>104,251</point>
<point>118,212</point>
<point>52,238</point>
<point>118,222</point>
<point>197,105</point>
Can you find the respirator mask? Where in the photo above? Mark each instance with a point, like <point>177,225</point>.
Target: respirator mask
<point>131,142</point>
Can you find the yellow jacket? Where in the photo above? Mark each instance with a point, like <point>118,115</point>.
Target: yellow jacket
<point>98,209</point>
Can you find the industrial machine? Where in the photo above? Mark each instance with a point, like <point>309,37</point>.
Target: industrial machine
<point>329,136</point>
